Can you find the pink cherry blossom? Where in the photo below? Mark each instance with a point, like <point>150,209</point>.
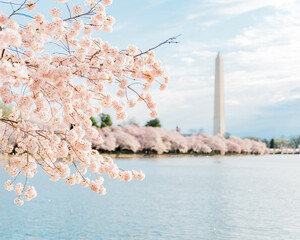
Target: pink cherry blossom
<point>141,176</point>
<point>9,185</point>
<point>31,5</point>
<point>127,176</point>
<point>19,202</point>
<point>94,186</point>
<point>76,10</point>
<point>55,12</point>
<point>142,139</point>
<point>102,190</point>
<point>56,90</point>
<point>107,2</point>
<point>19,188</point>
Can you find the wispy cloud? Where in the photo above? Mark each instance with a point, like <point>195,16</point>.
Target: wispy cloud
<point>260,43</point>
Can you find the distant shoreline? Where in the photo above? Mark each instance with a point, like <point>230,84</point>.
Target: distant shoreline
<point>172,155</point>
<point>168,155</point>
<point>3,161</point>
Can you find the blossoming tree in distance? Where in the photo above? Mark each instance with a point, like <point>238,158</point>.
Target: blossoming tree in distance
<point>53,90</point>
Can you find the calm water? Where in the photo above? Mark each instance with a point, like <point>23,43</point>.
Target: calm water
<point>181,198</point>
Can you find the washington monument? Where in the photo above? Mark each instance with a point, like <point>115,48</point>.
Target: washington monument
<point>219,114</point>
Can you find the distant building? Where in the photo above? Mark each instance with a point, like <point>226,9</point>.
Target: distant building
<point>178,128</point>
<point>219,112</point>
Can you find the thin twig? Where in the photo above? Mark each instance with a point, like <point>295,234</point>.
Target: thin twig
<point>168,41</point>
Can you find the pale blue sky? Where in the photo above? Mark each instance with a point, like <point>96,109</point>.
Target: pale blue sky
<point>260,43</point>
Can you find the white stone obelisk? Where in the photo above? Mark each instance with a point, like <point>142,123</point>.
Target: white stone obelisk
<point>219,113</point>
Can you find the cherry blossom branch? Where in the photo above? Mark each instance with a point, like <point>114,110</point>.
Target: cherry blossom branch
<point>50,90</point>
<point>90,12</point>
<point>168,41</point>
<point>18,9</point>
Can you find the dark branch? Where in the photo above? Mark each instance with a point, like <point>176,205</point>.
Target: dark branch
<point>168,41</point>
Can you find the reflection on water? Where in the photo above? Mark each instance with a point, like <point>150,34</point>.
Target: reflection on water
<point>181,198</point>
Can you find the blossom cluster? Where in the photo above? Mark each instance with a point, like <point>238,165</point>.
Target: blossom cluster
<point>51,90</point>
<point>142,139</point>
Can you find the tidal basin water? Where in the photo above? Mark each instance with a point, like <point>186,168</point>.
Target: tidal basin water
<point>252,197</point>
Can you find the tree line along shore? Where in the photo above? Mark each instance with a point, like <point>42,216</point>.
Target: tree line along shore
<point>153,140</point>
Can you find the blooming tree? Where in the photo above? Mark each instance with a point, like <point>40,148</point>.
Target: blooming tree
<point>143,139</point>
<point>53,89</point>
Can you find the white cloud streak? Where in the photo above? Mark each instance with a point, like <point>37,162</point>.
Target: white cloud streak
<point>261,62</point>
